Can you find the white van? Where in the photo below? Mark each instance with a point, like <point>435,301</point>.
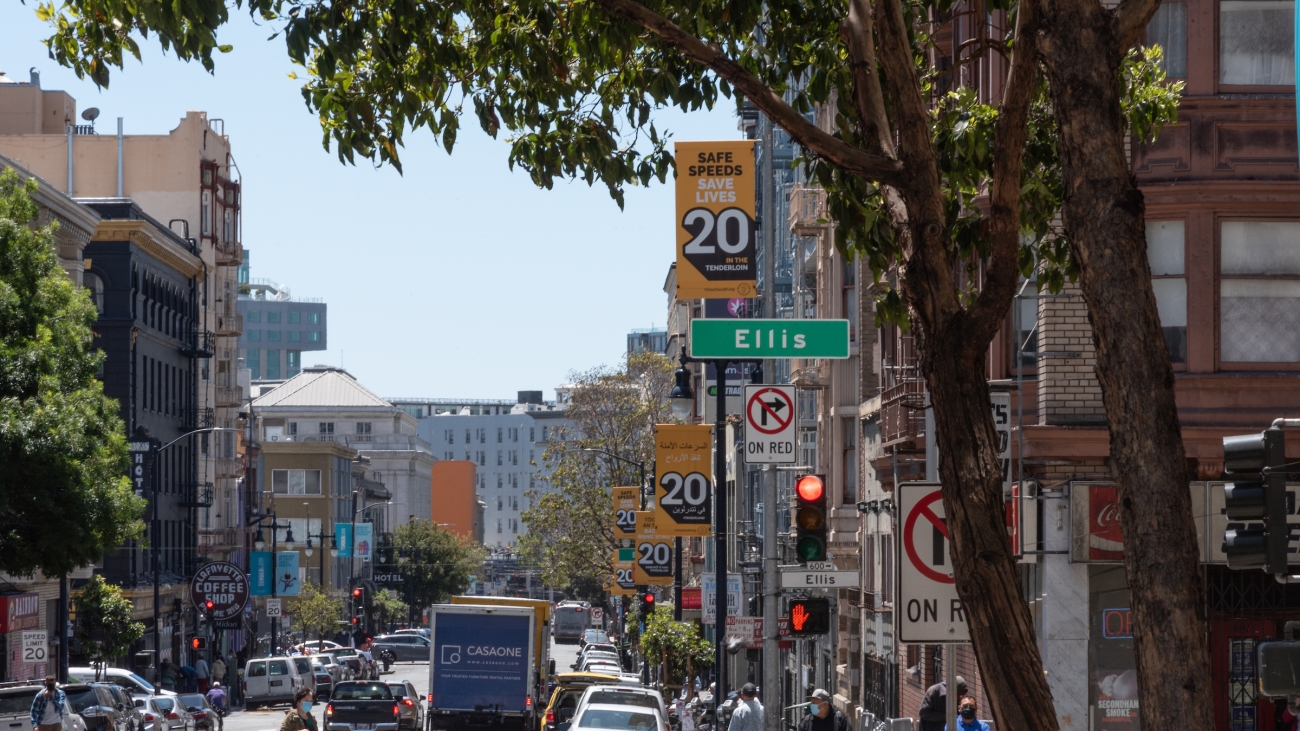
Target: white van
<point>134,684</point>
<point>271,680</point>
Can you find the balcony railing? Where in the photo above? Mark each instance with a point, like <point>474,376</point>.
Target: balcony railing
<point>220,538</point>
<point>230,467</point>
<point>902,411</point>
<point>196,495</point>
<point>230,324</point>
<point>811,377</point>
<point>230,396</point>
<point>200,344</point>
<point>192,419</point>
<point>808,215</point>
<point>229,253</point>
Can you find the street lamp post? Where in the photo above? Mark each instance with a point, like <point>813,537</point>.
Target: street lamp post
<point>260,543</point>
<point>334,552</point>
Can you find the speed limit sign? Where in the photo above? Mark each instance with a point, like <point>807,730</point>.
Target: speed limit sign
<point>35,646</point>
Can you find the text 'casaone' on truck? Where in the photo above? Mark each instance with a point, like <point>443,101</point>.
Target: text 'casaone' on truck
<point>481,667</point>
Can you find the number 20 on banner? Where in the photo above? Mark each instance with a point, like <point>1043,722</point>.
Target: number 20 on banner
<point>683,479</point>
<point>654,562</point>
<point>626,502</point>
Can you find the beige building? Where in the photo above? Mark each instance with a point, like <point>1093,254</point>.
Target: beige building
<point>188,179</point>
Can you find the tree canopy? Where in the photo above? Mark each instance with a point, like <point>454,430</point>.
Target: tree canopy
<point>106,627</point>
<point>435,563</point>
<point>64,495</point>
<point>315,612</point>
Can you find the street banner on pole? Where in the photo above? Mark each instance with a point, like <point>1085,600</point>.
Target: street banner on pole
<point>769,424</point>
<point>716,231</point>
<point>626,502</point>
<point>343,535</point>
<point>623,583</point>
<point>683,480</point>
<point>363,540</point>
<point>287,582</point>
<point>260,573</point>
<point>930,610</point>
<point>653,559</point>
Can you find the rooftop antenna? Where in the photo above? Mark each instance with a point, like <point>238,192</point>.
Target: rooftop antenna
<point>90,115</point>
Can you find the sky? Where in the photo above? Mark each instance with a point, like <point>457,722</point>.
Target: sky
<point>456,279</point>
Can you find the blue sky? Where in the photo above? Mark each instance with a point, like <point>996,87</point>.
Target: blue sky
<point>457,279</point>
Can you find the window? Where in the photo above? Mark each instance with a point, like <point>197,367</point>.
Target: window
<point>1259,292</point>
<point>295,482</point>
<point>1256,46</point>
<point>1165,252</point>
<point>467,439</point>
<point>482,436</point>
<point>293,362</point>
<point>498,501</point>
<point>532,434</point>
<point>279,667</point>
<point>257,670</point>
<point>326,428</point>
<point>1168,29</point>
<point>449,456</point>
<point>293,428</point>
<point>273,317</point>
<point>254,336</point>
<point>273,365</point>
<point>295,336</point>
<point>363,431</point>
<point>295,317</point>
<point>205,215</point>
<point>500,435</point>
<point>499,462</point>
<point>482,458</point>
<point>449,436</point>
<point>96,287</point>
<point>850,461</point>
<point>253,316</point>
<point>228,226</point>
<point>273,336</point>
<point>313,318</point>
<point>498,525</point>
<point>253,359</point>
<point>514,434</point>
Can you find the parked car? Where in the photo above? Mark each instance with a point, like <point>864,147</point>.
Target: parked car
<point>625,695</point>
<point>349,658</point>
<point>421,631</point>
<point>331,665</point>
<point>98,707</point>
<point>270,680</point>
<point>593,635</point>
<point>135,684</point>
<point>564,700</point>
<point>317,646</point>
<point>16,707</point>
<point>129,706</point>
<point>407,647</point>
<point>205,716</point>
<point>410,711</point>
<point>324,681</point>
<point>171,715</point>
<point>302,664</point>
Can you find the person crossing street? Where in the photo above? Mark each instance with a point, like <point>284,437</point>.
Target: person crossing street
<point>48,707</point>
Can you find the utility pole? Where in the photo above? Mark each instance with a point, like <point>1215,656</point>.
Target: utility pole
<point>720,539</point>
<point>771,580</point>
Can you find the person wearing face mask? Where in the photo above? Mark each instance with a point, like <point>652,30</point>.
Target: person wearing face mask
<point>48,707</point>
<point>823,716</point>
<point>966,717</point>
<point>299,717</point>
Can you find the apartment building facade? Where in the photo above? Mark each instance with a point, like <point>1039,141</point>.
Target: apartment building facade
<point>278,329</point>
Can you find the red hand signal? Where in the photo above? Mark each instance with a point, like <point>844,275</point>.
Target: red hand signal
<point>798,617</point>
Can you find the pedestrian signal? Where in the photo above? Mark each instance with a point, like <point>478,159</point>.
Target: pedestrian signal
<point>810,617</point>
<point>199,643</point>
<point>810,518</point>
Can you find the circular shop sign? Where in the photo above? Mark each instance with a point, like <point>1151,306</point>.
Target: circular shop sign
<point>223,584</point>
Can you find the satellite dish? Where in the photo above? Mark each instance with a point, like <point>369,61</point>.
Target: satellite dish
<point>90,114</point>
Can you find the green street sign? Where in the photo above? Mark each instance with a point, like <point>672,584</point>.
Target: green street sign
<point>755,339</point>
<point>627,554</point>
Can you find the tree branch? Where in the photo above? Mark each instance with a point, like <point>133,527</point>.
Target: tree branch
<point>1009,134</point>
<point>857,32</point>
<point>803,132</point>
<point>1131,18</point>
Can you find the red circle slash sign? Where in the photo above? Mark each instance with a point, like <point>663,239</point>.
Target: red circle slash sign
<point>758,419</point>
<point>922,508</point>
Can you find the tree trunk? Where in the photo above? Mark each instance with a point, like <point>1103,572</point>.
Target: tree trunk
<point>988,582</point>
<point>1104,217</point>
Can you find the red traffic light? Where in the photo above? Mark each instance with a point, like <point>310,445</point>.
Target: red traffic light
<point>649,598</point>
<point>810,488</point>
<point>355,620</point>
<point>209,605</point>
<point>356,593</point>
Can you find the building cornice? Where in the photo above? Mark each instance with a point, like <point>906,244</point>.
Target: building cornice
<point>145,236</point>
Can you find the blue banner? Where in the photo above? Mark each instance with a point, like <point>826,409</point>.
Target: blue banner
<point>480,660</point>
<point>286,573</point>
<point>343,534</point>
<point>259,573</point>
<point>365,540</point>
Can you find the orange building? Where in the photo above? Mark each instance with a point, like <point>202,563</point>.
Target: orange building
<point>456,506</point>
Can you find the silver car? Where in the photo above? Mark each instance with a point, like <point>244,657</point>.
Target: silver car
<point>406,647</point>
<point>167,715</point>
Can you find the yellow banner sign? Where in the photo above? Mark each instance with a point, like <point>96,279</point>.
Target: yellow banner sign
<point>654,560</point>
<point>626,502</point>
<point>716,232</point>
<point>683,479</point>
<point>623,582</point>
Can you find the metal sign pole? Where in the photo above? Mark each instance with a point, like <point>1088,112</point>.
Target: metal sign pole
<point>950,682</point>
<point>720,541</point>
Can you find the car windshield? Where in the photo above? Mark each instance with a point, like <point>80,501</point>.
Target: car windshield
<point>617,718</point>
<point>143,683</point>
<point>82,698</point>
<point>622,698</point>
<point>362,692</point>
<point>17,702</point>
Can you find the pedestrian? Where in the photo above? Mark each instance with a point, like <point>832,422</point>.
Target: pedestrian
<point>748,715</point>
<point>934,706</point>
<point>217,697</point>
<point>219,671</point>
<point>48,707</point>
<point>202,672</point>
<point>822,715</point>
<point>299,717</point>
<point>966,719</point>
<point>167,674</point>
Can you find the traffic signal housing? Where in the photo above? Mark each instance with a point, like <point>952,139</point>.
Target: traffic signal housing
<point>810,518</point>
<point>810,617</point>
<point>1260,498</point>
<point>199,643</point>
<point>647,603</point>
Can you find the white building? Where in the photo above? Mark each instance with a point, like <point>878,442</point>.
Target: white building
<point>326,404</point>
<point>504,438</point>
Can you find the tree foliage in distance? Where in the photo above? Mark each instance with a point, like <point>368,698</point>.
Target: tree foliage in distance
<point>929,188</point>
<point>570,517</point>
<point>436,563</point>
<point>105,625</point>
<point>64,495</point>
<point>315,612</point>
<point>677,647</point>
<point>388,607</point>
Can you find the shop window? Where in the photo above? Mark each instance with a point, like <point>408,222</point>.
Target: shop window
<point>1168,29</point>
<point>1259,292</point>
<point>1165,253</point>
<point>1256,45</point>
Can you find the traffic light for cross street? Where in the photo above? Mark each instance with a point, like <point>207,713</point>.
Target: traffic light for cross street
<point>810,518</point>
<point>1259,498</point>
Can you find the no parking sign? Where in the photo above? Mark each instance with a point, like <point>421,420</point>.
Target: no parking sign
<point>928,608</point>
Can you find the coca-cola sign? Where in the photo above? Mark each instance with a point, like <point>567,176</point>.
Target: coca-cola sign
<point>1105,536</point>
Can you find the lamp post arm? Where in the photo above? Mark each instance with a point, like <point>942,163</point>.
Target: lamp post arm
<point>196,431</point>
